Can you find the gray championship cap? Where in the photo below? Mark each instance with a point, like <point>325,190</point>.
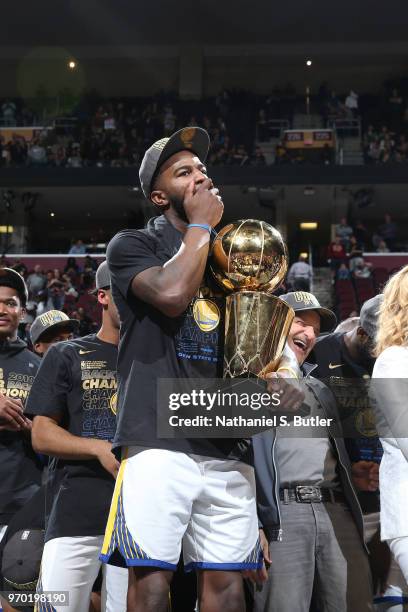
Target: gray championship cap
<point>102,278</point>
<point>14,280</point>
<point>52,319</point>
<point>302,301</point>
<point>193,139</point>
<point>369,315</point>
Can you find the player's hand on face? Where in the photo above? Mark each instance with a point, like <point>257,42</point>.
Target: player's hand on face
<point>11,414</point>
<point>107,459</point>
<point>203,204</point>
<point>289,389</point>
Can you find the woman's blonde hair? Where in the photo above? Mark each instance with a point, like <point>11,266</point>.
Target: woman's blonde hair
<point>393,316</point>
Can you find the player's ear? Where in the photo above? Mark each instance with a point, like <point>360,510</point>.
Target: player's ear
<point>160,200</point>
<point>102,297</point>
<point>362,335</point>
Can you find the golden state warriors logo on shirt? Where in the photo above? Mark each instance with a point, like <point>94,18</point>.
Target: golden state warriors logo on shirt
<point>365,423</point>
<point>113,403</point>
<point>206,314</point>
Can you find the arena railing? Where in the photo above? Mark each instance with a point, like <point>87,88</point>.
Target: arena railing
<point>345,128</point>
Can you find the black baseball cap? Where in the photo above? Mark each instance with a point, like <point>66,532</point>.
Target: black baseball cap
<point>52,319</point>
<point>302,301</point>
<point>11,278</point>
<point>21,560</point>
<point>193,139</point>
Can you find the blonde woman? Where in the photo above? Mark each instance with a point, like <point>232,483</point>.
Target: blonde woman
<point>390,401</point>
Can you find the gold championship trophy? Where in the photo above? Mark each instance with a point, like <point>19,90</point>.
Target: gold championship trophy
<point>249,260</point>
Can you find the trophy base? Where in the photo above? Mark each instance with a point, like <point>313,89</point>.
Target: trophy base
<point>256,327</point>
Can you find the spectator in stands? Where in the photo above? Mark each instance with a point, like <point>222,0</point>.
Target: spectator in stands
<point>395,108</point>
<point>78,248</point>
<point>362,268</point>
<point>326,155</point>
<point>169,121</point>
<point>361,234</point>
<point>55,290</point>
<point>262,126</point>
<point>402,148</point>
<point>281,154</point>
<point>17,149</point>
<point>351,104</point>
<point>344,231</point>
<point>334,106</point>
<point>20,267</point>
<point>388,232</point>
<point>68,288</point>
<point>71,267</point>
<point>239,156</point>
<point>370,136</point>
<point>355,255</point>
<point>336,255</point>
<point>30,312</point>
<point>373,152</point>
<point>3,151</point>
<point>9,109</point>
<point>90,264</point>
<point>258,158</point>
<point>382,247</point>
<point>37,154</point>
<point>74,156</point>
<point>85,322</point>
<point>354,249</point>
<point>343,273</point>
<point>36,282</point>
<point>300,275</point>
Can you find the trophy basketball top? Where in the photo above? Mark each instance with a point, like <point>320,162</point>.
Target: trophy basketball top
<point>249,255</point>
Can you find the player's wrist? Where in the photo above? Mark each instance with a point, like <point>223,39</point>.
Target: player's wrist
<point>98,448</point>
<point>200,225</point>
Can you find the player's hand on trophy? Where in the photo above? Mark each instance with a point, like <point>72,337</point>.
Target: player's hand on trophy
<point>203,204</point>
<point>289,389</point>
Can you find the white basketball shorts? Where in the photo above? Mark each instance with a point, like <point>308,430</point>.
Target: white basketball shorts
<point>165,500</point>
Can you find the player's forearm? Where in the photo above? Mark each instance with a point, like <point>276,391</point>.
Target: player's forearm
<point>177,282</point>
<point>51,439</point>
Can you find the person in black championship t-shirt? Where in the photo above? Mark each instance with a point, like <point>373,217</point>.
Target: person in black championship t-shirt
<point>74,398</point>
<point>174,492</point>
<point>20,468</point>
<point>23,541</point>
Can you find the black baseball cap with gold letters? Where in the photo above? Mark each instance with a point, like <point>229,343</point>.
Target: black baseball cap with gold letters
<point>302,301</point>
<point>193,139</point>
<point>52,319</point>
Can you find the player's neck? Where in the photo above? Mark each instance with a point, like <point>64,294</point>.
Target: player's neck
<point>351,348</point>
<point>108,333</point>
<point>9,337</point>
<point>173,218</point>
